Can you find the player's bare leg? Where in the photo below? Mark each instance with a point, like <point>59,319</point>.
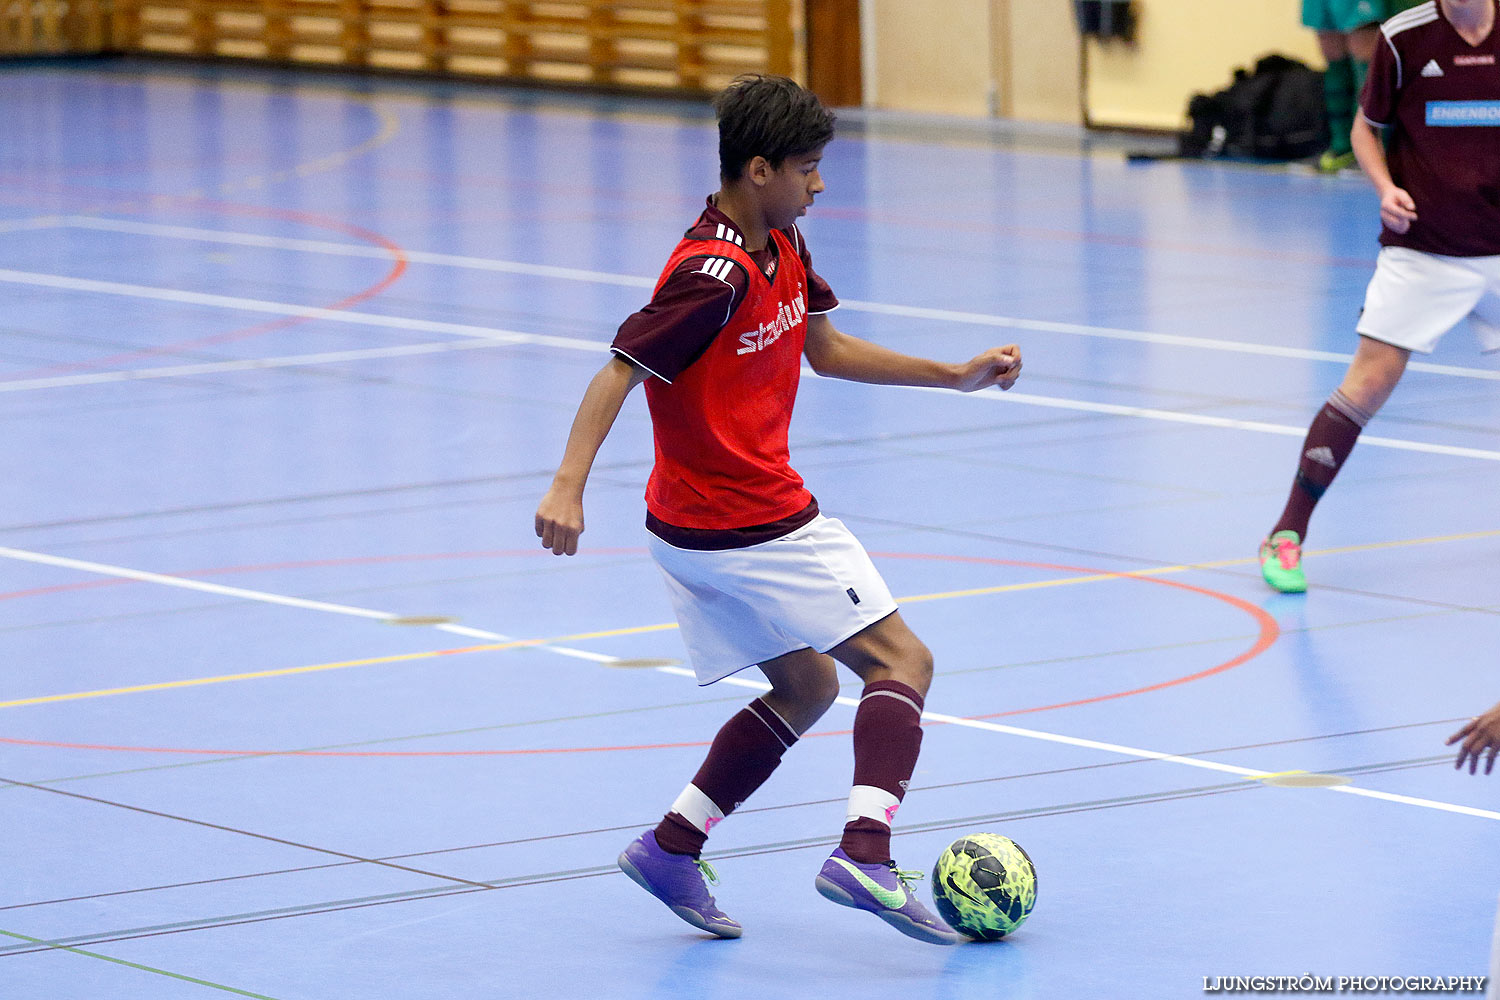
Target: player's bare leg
<point>1373,374</point>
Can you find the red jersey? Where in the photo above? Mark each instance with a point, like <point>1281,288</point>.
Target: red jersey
<point>1441,97</point>
<point>724,335</point>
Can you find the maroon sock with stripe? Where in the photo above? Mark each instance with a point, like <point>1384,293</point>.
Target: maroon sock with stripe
<point>744,753</point>
<point>1329,441</point>
<point>887,739</point>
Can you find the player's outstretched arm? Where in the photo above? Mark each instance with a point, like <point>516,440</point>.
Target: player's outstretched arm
<point>838,355</point>
<point>559,517</point>
<point>1480,736</point>
<point>1397,209</point>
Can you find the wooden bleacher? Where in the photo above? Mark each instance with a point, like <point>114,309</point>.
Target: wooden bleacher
<point>688,45</point>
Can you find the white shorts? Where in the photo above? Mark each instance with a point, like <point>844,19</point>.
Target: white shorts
<point>812,588</point>
<point>1417,297</point>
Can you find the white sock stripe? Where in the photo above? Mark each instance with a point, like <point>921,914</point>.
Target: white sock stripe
<point>758,706</point>
<point>697,808</point>
<point>870,802</point>
<point>1349,408</point>
<point>892,694</point>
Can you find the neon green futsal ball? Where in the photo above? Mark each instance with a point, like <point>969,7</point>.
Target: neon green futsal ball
<point>984,885</point>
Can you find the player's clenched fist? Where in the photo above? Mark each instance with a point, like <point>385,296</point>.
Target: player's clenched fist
<point>998,366</point>
<point>559,522</point>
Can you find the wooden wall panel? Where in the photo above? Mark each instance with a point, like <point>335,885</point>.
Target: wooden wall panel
<point>695,45</point>
<point>54,27</point>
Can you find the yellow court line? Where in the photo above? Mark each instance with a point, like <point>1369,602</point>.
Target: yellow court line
<point>338,665</point>
<point>1185,567</point>
<point>668,626</point>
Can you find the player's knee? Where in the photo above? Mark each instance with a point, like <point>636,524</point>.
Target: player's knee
<point>910,663</point>
<point>812,691</point>
<point>920,664</point>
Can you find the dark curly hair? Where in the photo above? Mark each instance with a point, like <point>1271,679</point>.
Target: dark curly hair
<point>768,116</point>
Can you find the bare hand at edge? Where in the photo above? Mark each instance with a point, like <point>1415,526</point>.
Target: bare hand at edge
<point>1480,735</point>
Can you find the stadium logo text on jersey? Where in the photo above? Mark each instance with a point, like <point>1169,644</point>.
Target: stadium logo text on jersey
<point>788,316</point>
<point>1432,68</point>
<point>1486,59</point>
<point>1456,113</point>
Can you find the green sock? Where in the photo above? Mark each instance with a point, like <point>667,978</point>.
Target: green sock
<point>1339,97</point>
<point>1361,70</point>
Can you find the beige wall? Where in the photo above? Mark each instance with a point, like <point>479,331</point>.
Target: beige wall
<point>1038,61</point>
<point>1020,58</point>
<point>930,55</point>
<point>1015,58</point>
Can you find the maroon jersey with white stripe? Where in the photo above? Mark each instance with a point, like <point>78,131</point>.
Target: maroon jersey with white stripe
<point>1441,98</point>
<point>728,361</point>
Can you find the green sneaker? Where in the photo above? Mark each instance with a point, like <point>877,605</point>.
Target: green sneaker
<point>1331,162</point>
<point>1281,562</point>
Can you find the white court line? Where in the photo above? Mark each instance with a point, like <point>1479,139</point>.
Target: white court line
<point>203,586</point>
<point>143,576</point>
<point>348,317</point>
<point>634,281</point>
<point>209,368</point>
<point>40,222</point>
<point>335,249</point>
<point>1204,420</point>
<point>1128,751</point>
<point>356,318</point>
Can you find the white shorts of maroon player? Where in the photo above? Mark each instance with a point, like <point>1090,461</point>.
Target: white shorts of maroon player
<point>1417,297</point>
<point>811,588</point>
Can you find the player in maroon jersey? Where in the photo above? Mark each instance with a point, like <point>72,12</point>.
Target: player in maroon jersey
<point>1435,85</point>
<point>758,577</point>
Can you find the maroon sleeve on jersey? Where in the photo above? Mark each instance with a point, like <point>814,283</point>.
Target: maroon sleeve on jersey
<point>1377,102</point>
<point>684,316</point>
<point>820,297</point>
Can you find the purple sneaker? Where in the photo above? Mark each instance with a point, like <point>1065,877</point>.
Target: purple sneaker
<point>882,889</point>
<point>677,880</point>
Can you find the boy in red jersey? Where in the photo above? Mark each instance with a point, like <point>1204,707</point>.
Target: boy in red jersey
<point>758,577</point>
<point>1435,83</point>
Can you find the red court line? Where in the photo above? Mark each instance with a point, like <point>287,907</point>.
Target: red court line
<point>398,268</point>
<point>1269,631</point>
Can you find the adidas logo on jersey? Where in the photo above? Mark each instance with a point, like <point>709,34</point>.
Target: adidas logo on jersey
<point>1432,68</point>
<point>1323,456</point>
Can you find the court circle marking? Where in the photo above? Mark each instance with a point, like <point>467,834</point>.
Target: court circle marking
<point>1268,633</point>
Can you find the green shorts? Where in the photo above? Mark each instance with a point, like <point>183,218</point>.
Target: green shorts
<point>1345,16</point>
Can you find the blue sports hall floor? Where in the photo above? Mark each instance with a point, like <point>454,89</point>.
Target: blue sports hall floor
<point>293,706</point>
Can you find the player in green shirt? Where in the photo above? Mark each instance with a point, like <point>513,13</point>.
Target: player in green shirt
<point>1348,31</point>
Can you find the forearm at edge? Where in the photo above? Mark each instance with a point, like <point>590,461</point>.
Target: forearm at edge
<point>838,355</point>
<point>596,416</point>
<point>1369,150</point>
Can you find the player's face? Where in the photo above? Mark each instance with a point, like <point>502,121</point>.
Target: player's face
<point>793,186</point>
<point>1464,6</point>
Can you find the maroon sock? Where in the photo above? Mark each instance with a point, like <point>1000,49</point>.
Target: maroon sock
<point>887,739</point>
<point>1329,441</point>
<point>744,753</point>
